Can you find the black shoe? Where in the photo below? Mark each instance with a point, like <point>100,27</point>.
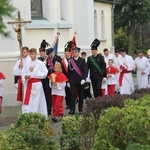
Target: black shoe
<point>67,107</point>
<point>71,112</point>
<point>54,119</point>
<point>80,112</point>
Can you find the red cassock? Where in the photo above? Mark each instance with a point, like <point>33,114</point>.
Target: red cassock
<point>58,94</point>
<point>111,80</point>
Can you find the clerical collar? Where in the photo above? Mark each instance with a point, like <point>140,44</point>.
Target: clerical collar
<point>76,58</point>
<point>94,55</point>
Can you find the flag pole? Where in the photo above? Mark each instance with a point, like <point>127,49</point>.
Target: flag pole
<point>56,37</point>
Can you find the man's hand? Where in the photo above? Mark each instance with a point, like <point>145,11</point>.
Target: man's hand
<point>125,64</point>
<point>27,77</point>
<point>16,85</point>
<point>142,73</point>
<point>31,69</point>
<point>20,65</point>
<point>109,75</point>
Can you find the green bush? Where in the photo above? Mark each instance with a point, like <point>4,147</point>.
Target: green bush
<point>95,106</point>
<point>126,128</point>
<point>30,132</point>
<point>70,138</point>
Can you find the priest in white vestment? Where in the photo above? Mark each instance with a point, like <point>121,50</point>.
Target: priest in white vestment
<point>32,72</point>
<point>126,65</point>
<point>142,66</point>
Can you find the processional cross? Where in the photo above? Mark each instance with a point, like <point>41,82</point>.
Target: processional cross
<point>17,26</point>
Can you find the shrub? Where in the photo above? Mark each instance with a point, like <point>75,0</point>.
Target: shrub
<point>71,133</point>
<point>95,106</point>
<point>125,128</point>
<point>30,132</point>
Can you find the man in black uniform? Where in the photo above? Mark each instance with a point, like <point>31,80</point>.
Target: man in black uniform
<point>65,61</point>
<point>97,66</point>
<point>77,73</point>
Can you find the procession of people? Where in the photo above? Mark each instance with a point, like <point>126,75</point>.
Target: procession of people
<point>43,82</point>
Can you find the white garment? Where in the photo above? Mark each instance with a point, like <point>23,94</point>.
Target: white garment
<point>110,56</point>
<point>143,65</point>
<point>59,89</point>
<point>104,85</point>
<point>1,87</point>
<point>112,80</point>
<point>37,102</point>
<point>127,82</point>
<point>118,74</point>
<point>16,69</point>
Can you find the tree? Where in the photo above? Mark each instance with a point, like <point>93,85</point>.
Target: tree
<point>131,15</point>
<point>6,10</point>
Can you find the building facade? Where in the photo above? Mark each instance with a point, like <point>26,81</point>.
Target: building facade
<point>90,19</point>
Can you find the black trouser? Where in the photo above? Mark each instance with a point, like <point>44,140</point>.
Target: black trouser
<point>47,92</point>
<point>68,96</point>
<point>74,89</point>
<point>96,84</point>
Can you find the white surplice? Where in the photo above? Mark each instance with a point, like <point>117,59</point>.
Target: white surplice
<point>127,82</point>
<point>16,69</point>
<point>143,65</point>
<point>37,102</point>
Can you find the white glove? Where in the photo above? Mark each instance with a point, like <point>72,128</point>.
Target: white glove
<point>82,82</point>
<point>104,79</point>
<point>68,84</point>
<point>88,80</point>
<point>16,85</point>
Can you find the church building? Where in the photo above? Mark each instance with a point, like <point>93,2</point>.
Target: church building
<point>90,19</point>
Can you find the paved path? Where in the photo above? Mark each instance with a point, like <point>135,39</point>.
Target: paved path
<point>9,116</point>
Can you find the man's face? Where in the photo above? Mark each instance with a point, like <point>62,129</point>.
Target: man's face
<point>106,53</point>
<point>24,53</point>
<point>75,54</point>
<point>122,54</point>
<point>57,68</point>
<point>140,55</point>
<point>94,52</point>
<point>83,56</point>
<point>42,54</point>
<point>67,54</point>
<point>33,55</point>
<point>116,54</point>
<point>51,55</point>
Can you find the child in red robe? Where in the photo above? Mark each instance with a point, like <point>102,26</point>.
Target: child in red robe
<point>111,77</point>
<point>57,83</point>
<point>2,77</point>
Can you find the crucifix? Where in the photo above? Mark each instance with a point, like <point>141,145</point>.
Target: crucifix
<point>17,26</point>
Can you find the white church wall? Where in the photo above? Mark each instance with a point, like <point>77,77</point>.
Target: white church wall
<point>80,18</point>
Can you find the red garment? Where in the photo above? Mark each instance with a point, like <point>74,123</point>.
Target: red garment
<point>2,76</point>
<point>111,70</point>
<point>122,74</point>
<point>1,98</point>
<point>28,90</point>
<point>57,104</point>
<point>19,90</point>
<point>111,89</point>
<point>103,92</point>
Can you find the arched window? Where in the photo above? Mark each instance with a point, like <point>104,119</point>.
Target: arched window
<point>36,9</point>
<point>95,24</point>
<point>102,25</point>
